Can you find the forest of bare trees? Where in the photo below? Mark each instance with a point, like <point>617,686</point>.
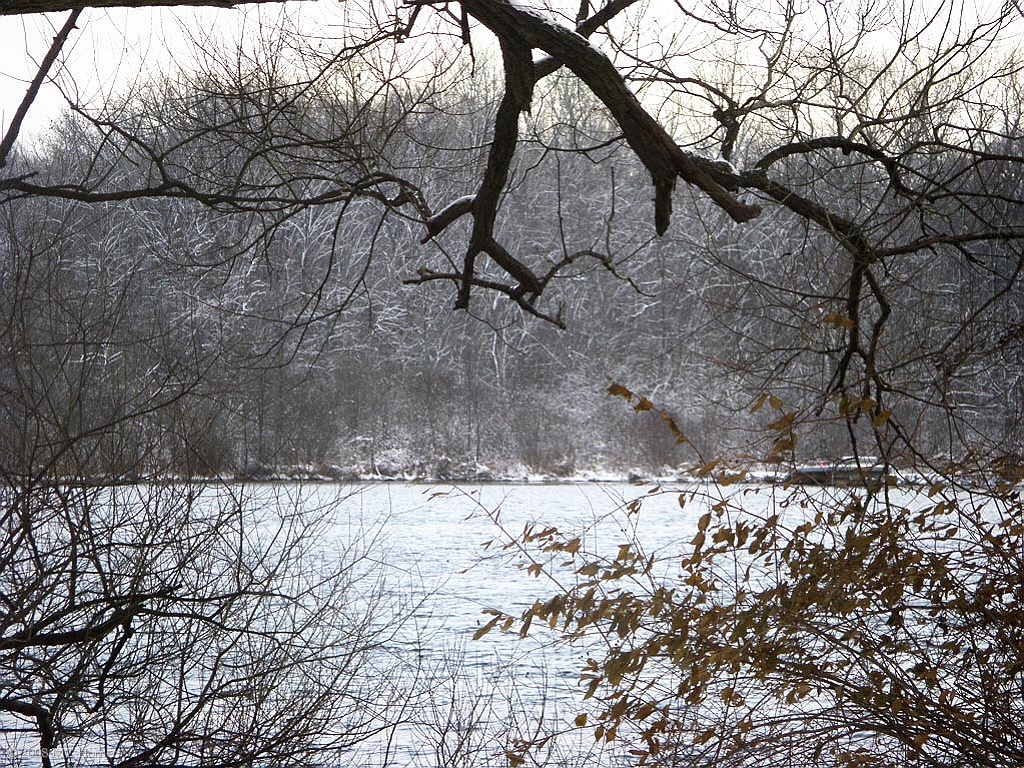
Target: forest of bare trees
<point>426,241</point>
<point>276,217</point>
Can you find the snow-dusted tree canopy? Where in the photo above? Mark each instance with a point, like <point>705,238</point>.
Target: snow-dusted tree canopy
<point>850,203</point>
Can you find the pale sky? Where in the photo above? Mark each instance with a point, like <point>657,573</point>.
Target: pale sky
<point>92,52</point>
<point>108,52</point>
<point>114,48</point>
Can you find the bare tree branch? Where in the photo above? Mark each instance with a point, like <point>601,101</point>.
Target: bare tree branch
<point>44,723</point>
<point>30,638</point>
<point>30,95</point>
<point>658,151</point>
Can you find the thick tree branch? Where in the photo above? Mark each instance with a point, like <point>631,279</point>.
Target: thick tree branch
<point>845,231</point>
<point>847,146</point>
<point>44,722</point>
<point>437,223</point>
<point>519,31</point>
<point>529,283</point>
<point>252,199</point>
<point>658,151</point>
<point>33,90</point>
<point>485,204</point>
<point>30,638</point>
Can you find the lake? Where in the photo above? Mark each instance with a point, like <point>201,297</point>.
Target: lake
<point>438,561</point>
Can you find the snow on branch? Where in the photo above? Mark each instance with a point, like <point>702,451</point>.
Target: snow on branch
<point>457,208</point>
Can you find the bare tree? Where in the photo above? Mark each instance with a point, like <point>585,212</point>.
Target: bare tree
<point>189,626</point>
<point>838,626</point>
<point>519,33</point>
<point>161,622</point>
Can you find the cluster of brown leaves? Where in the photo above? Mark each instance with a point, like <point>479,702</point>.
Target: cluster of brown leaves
<point>832,628</point>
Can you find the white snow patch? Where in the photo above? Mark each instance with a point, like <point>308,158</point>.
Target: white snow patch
<point>456,203</point>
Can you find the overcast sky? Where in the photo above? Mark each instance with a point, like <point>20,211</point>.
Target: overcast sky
<point>114,48</point>
<point>109,51</point>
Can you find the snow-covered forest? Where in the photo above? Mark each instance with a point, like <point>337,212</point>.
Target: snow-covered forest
<point>304,346</point>
<point>222,285</point>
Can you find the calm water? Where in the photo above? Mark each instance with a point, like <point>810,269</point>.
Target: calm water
<point>467,698</point>
<point>433,545</point>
